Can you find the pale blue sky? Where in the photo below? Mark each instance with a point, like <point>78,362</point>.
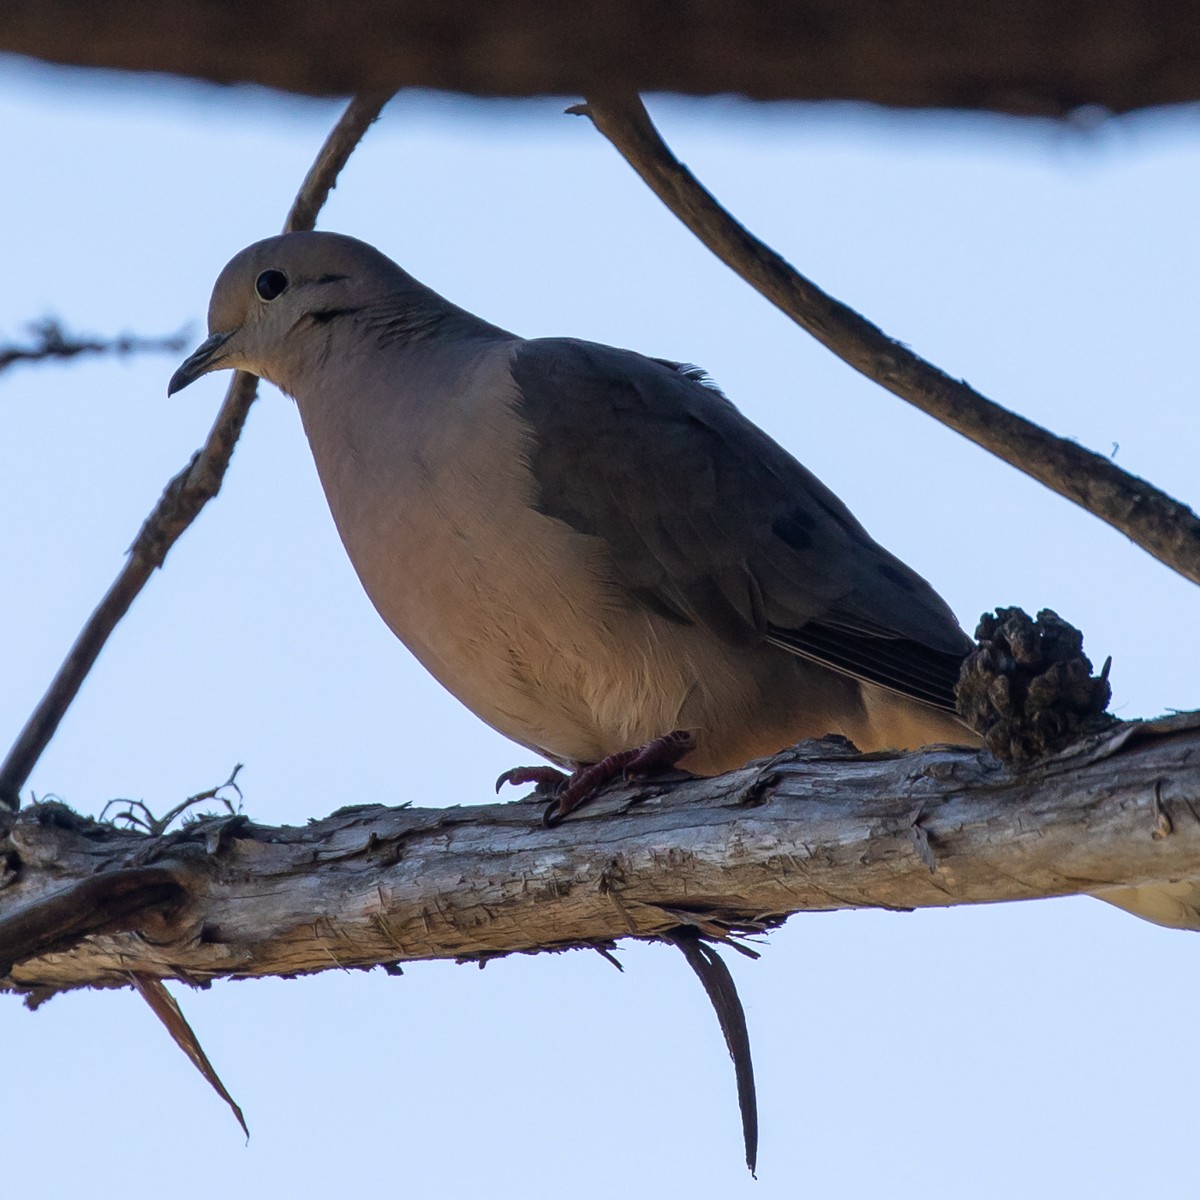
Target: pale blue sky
<point>1030,1050</point>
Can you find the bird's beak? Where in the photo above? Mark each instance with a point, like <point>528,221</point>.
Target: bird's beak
<point>206,357</point>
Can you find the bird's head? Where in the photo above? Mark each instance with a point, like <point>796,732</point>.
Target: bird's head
<point>272,298</point>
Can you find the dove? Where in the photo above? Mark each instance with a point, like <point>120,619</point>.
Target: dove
<point>592,549</point>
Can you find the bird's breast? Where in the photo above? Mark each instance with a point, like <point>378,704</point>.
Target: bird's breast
<point>514,612</point>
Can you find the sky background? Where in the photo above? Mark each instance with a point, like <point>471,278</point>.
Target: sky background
<point>1043,1049</point>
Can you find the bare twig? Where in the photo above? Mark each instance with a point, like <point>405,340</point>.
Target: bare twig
<point>137,815</point>
<point>185,495</point>
<point>167,1010</point>
<point>1159,524</point>
<point>52,341</point>
<point>723,996</point>
<point>361,113</point>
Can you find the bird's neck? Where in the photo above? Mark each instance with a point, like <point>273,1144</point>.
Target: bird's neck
<point>422,318</point>
<point>366,403</point>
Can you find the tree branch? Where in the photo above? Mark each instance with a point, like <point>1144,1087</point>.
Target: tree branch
<point>1022,56</point>
<point>52,341</point>
<point>185,495</point>
<point>816,828</point>
<point>1163,527</point>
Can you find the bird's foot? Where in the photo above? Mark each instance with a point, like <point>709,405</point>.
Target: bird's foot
<point>570,791</point>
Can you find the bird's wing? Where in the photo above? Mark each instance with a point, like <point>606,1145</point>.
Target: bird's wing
<point>709,521</point>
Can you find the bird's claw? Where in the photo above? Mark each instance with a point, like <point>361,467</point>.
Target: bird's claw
<point>544,779</point>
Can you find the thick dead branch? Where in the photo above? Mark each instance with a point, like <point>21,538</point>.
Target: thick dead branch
<point>1155,521</point>
<point>816,828</point>
<point>1023,56</point>
<point>186,494</point>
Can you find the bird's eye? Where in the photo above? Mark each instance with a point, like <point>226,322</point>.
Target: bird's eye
<point>270,284</point>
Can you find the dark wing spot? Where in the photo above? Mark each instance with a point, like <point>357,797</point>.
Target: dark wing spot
<point>795,528</point>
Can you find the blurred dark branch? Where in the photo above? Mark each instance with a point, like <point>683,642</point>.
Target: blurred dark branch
<point>51,341</point>
<point>1155,521</point>
<point>185,495</point>
<point>1013,56</point>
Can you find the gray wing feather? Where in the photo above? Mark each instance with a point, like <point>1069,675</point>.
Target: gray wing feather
<point>710,521</point>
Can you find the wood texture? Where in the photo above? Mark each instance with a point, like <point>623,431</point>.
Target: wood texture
<point>818,827</point>
<point>1020,56</point>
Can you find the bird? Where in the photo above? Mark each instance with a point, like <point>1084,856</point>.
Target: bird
<point>594,550</point>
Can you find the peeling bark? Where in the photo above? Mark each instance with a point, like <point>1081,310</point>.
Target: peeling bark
<point>816,828</point>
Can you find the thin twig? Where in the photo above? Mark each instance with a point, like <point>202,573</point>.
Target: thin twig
<point>342,141</point>
<point>1159,524</point>
<point>166,1008</point>
<point>52,341</point>
<point>186,494</point>
<point>722,994</point>
<point>137,814</point>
